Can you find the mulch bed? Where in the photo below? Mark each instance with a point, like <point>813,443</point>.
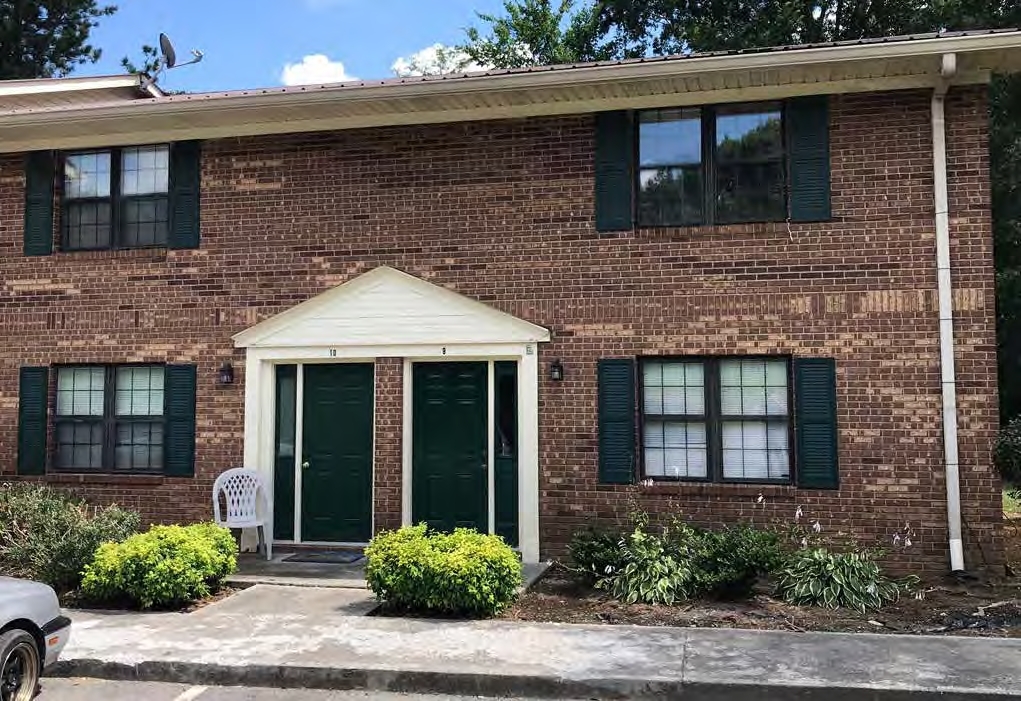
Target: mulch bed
<point>990,608</point>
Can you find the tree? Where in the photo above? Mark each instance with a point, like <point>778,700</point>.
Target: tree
<point>47,38</point>
<point>150,65</point>
<point>678,26</point>
<point>538,32</point>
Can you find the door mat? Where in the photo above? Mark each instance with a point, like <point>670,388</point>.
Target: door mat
<point>327,557</point>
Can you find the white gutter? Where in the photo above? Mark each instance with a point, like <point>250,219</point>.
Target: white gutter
<point>944,286</point>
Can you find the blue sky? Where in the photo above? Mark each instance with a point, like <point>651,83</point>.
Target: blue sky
<point>247,43</point>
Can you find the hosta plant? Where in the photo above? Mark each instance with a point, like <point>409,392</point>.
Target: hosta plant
<point>650,571</point>
<point>820,577</point>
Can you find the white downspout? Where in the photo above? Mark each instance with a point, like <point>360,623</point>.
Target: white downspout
<point>944,286</point>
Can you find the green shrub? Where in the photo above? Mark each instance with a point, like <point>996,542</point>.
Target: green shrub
<point>651,571</point>
<point>596,552</point>
<point>165,566</point>
<point>819,577</point>
<point>463,573</point>
<point>677,563</point>
<point>1007,455</point>
<point>50,535</point>
<point>728,562</point>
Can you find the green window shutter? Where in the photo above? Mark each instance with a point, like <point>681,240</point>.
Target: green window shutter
<point>808,137</point>
<point>185,189</point>
<point>33,396</point>
<point>616,421</point>
<point>179,414</point>
<point>39,174</point>
<point>615,146</point>
<point>815,396</point>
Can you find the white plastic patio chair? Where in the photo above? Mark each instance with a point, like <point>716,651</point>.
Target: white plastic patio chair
<point>242,491</point>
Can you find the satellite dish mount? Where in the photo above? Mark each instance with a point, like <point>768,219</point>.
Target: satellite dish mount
<point>168,56</point>
<point>168,60</point>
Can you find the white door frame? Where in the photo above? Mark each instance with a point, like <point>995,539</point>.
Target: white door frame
<point>260,415</point>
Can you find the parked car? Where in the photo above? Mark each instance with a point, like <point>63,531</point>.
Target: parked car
<point>32,635</point>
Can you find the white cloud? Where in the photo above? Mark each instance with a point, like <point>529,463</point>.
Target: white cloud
<point>314,68</point>
<point>435,60</point>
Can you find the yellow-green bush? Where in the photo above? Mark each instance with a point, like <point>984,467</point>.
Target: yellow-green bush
<point>165,566</point>
<point>462,573</point>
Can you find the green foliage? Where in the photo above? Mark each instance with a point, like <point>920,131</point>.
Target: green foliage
<point>537,32</point>
<point>1012,501</point>
<point>149,66</point>
<point>50,535</point>
<point>165,566</point>
<point>678,562</point>
<point>595,552</point>
<point>652,570</point>
<point>819,577</point>
<point>1005,171</point>
<point>47,38</point>
<point>1007,455</point>
<point>728,562</point>
<point>464,573</point>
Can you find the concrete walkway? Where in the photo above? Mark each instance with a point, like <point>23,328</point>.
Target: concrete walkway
<point>317,638</point>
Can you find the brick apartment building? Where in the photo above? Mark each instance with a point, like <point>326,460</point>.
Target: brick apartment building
<point>523,301</point>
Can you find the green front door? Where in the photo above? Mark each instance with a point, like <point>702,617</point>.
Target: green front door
<point>449,461</point>
<point>336,477</point>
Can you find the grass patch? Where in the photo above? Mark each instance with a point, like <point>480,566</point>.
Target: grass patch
<point>1011,505</point>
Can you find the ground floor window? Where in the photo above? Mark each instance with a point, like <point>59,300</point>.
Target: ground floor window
<point>109,418</point>
<point>716,419</point>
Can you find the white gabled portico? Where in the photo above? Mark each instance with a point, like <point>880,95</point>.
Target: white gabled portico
<point>386,313</point>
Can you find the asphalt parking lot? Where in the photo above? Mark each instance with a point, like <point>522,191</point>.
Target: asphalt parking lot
<point>97,690</point>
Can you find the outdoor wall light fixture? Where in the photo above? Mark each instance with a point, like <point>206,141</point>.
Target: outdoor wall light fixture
<point>556,371</point>
<point>226,374</point>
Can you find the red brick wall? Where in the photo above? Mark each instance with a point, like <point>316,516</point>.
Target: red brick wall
<point>388,441</point>
<point>503,212</point>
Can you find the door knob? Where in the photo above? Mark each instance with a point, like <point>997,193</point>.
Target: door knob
<point>304,465</point>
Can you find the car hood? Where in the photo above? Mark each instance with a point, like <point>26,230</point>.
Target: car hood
<point>20,598</point>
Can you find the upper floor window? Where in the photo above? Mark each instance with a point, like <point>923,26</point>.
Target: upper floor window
<point>116,198</point>
<point>711,165</point>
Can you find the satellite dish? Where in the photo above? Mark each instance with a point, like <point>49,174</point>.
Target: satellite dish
<point>167,49</point>
<point>170,56</point>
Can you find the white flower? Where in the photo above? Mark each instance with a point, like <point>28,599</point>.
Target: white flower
<point>896,538</point>
<point>804,542</point>
<point>647,483</point>
<point>760,499</point>
<point>817,527</point>
<point>907,542</point>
